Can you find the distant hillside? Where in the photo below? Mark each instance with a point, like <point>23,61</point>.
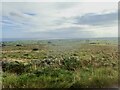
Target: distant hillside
<point>19,39</point>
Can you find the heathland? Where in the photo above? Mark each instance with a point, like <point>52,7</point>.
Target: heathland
<point>60,63</point>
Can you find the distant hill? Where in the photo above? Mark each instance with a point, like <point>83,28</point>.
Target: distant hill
<point>21,39</point>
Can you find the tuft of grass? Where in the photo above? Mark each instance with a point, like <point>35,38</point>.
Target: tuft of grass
<point>98,78</point>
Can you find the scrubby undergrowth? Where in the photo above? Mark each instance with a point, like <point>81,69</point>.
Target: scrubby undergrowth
<point>53,66</point>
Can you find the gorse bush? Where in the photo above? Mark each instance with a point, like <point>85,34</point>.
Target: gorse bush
<point>15,67</point>
<point>71,63</point>
<point>35,49</point>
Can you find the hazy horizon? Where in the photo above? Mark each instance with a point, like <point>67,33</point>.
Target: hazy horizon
<point>22,39</point>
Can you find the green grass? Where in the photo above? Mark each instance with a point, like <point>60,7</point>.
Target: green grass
<point>61,78</point>
<point>49,79</point>
<point>60,64</point>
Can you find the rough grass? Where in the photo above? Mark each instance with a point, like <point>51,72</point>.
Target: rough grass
<point>56,65</point>
<point>60,78</point>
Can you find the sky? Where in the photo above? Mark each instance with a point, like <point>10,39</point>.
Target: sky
<point>59,20</point>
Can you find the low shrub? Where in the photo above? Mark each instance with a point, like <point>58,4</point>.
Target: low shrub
<point>15,67</point>
<point>71,63</point>
<point>35,49</point>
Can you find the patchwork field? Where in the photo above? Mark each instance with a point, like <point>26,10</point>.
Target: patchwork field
<point>71,63</point>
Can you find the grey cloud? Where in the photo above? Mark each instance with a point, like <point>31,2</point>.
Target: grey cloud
<point>64,5</point>
<point>19,15</point>
<point>72,32</point>
<point>30,14</point>
<point>97,19</point>
<point>15,14</point>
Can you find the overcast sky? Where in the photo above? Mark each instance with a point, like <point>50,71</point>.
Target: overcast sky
<point>53,20</point>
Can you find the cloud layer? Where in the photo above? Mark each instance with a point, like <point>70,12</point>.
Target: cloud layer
<point>59,20</point>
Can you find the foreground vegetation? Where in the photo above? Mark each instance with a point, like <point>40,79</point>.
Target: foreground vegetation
<point>60,64</point>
